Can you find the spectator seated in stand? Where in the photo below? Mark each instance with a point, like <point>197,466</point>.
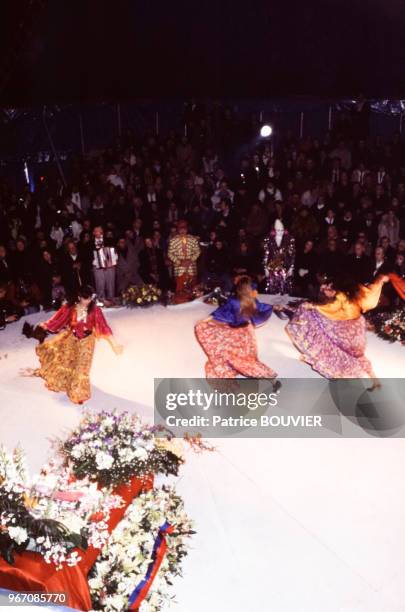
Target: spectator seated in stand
<point>10,311</point>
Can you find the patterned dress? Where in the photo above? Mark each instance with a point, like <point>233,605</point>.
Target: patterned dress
<point>66,359</point>
<point>278,263</point>
<point>184,248</point>
<point>332,337</point>
<point>229,341</point>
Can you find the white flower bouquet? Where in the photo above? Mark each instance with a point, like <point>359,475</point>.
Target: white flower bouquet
<point>125,559</point>
<point>112,448</point>
<point>50,514</point>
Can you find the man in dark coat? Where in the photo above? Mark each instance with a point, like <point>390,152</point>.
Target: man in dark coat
<point>152,266</point>
<point>127,265</point>
<point>218,266</point>
<point>359,264</point>
<point>70,267</point>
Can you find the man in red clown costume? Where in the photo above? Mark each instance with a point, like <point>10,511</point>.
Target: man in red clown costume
<point>183,252</point>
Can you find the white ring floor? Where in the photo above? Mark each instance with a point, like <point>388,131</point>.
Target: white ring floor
<point>285,525</point>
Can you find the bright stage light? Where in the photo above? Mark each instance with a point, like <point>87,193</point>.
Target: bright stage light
<point>266,131</point>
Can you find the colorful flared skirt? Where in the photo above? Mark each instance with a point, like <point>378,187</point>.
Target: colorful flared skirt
<point>65,365</point>
<point>231,351</point>
<point>335,349</point>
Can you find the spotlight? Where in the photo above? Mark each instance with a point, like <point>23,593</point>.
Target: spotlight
<point>266,131</point>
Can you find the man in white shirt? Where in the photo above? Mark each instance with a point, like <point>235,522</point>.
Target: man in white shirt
<point>76,229</point>
<point>75,198</point>
<point>359,174</point>
<point>210,161</point>
<point>104,263</point>
<point>57,234</point>
<point>222,193</point>
<point>380,265</point>
<point>115,179</point>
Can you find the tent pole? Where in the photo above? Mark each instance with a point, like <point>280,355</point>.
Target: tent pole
<point>54,151</point>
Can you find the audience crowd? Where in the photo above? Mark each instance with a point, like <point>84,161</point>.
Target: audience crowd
<point>341,198</point>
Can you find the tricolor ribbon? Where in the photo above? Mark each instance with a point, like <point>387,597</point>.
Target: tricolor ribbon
<point>159,550</point>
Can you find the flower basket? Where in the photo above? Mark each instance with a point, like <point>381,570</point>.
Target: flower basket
<point>141,296</point>
<point>389,326</point>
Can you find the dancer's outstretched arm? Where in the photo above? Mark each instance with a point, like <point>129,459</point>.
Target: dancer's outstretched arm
<point>116,347</point>
<point>103,330</point>
<point>398,283</point>
<point>206,320</point>
<point>370,296</point>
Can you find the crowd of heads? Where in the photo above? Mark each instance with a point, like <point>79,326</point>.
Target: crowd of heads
<point>341,198</point>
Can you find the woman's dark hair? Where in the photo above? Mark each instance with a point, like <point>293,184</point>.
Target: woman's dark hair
<point>244,293</point>
<point>86,292</point>
<point>348,286</point>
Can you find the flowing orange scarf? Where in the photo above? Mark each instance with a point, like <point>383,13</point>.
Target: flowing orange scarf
<point>398,283</point>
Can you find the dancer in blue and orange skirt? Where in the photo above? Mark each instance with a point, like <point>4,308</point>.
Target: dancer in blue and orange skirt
<point>228,336</point>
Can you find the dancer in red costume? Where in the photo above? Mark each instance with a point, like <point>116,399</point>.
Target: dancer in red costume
<point>66,359</point>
